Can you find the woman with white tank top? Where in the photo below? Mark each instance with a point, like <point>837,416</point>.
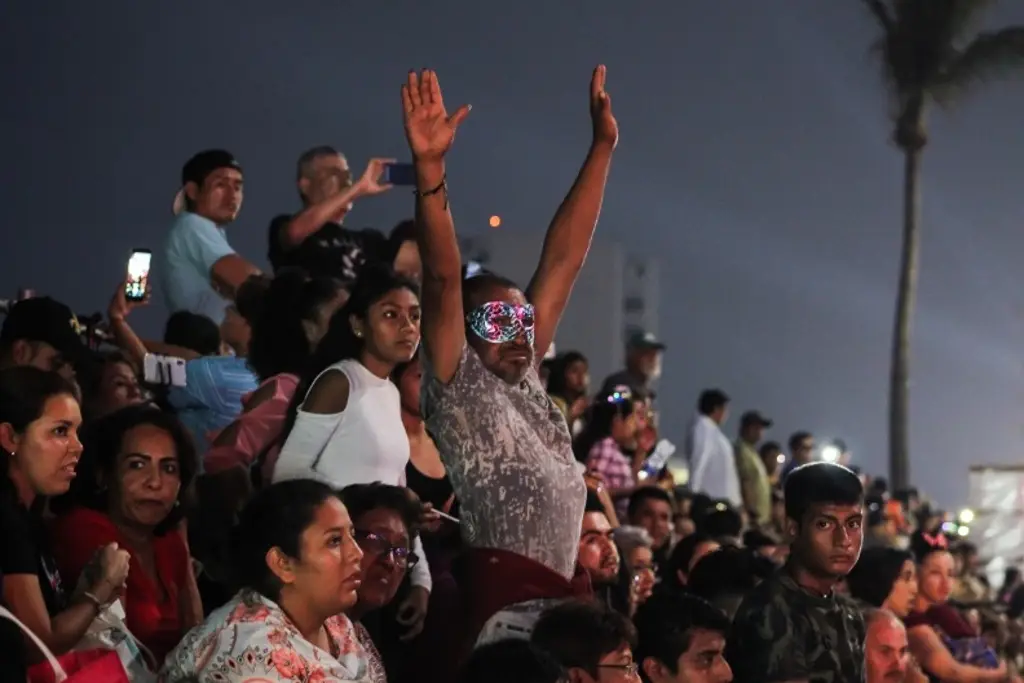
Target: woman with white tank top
<point>345,425</point>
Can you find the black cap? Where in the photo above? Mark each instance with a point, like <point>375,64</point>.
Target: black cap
<point>752,417</point>
<point>198,167</point>
<point>42,319</point>
<point>644,341</point>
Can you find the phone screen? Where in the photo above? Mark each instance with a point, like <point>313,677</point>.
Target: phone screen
<point>138,275</point>
<point>400,174</point>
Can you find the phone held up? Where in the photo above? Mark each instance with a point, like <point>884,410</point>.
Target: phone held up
<point>137,285</point>
<point>400,174</point>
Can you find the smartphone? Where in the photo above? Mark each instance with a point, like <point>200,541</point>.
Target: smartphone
<point>166,371</point>
<point>138,275</point>
<point>400,174</point>
<point>657,460</point>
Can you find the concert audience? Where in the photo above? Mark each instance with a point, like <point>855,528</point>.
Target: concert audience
<point>443,514</point>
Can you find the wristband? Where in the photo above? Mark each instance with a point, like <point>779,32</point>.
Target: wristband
<point>93,600</point>
<point>441,187</point>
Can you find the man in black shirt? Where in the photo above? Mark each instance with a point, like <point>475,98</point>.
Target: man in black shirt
<point>794,627</point>
<point>314,238</point>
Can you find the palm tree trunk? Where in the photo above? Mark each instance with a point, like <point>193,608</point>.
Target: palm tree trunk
<point>899,380</point>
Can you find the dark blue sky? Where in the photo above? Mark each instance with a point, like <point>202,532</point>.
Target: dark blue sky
<point>754,161</point>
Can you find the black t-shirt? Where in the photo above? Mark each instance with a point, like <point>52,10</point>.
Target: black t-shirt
<point>332,251</point>
<point>24,549</point>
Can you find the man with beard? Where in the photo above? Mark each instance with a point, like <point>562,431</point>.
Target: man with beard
<point>794,626</point>
<point>598,555</point>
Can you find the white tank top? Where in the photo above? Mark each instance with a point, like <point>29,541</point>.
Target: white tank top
<point>363,444</point>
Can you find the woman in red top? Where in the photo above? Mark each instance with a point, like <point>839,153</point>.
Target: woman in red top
<point>135,467</point>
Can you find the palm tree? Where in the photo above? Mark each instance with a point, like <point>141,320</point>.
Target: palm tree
<point>931,54</point>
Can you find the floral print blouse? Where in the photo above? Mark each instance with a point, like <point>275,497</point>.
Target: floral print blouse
<point>251,640</point>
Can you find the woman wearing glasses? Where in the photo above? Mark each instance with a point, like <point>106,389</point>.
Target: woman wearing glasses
<point>386,520</point>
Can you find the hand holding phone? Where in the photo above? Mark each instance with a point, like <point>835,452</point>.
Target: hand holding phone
<point>137,285</point>
<point>657,460</point>
<point>375,178</point>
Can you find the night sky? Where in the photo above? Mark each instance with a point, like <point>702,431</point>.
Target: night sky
<point>754,161</point>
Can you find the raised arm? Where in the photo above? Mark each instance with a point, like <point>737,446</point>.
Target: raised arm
<point>312,218</point>
<point>430,132</point>
<point>568,237</point>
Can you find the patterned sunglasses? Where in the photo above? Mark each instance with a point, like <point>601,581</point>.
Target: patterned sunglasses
<point>403,557</point>
<point>498,322</point>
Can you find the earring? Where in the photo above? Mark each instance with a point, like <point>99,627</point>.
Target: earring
<point>359,334</point>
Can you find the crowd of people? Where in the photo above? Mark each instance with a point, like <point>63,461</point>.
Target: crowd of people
<point>370,469</point>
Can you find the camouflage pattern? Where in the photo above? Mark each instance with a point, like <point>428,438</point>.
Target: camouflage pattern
<point>782,633</point>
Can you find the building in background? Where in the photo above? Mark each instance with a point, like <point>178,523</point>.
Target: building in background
<point>616,293</point>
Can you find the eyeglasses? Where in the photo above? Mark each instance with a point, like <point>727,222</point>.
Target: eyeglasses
<point>378,545</point>
<point>631,669</point>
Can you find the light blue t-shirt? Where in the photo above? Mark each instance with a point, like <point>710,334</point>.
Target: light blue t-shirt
<point>212,396</point>
<point>183,266</point>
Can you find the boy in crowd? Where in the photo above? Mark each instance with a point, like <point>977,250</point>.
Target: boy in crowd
<point>681,639</point>
<point>794,626</point>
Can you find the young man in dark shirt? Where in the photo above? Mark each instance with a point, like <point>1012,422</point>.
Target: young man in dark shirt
<point>794,627</point>
<point>314,239</point>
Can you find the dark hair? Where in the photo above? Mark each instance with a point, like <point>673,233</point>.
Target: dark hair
<point>729,570</point>
<point>665,627</point>
<point>794,440</point>
<point>759,538</point>
<point>279,343</point>
<point>404,232</point>
<point>711,400</point>
<point>600,416</point>
<point>24,391</point>
<point>820,483</point>
<point>578,634</point>
<point>872,578</point>
<point>923,544</point>
<point>275,517</point>
<point>194,332</point>
<point>681,556</point>
<point>511,661</point>
<point>102,440</point>
<point>646,493</point>
<point>767,447</point>
<point>341,343</point>
<point>402,368</point>
<point>593,503</point>
<point>363,498</point>
<point>720,520</point>
<point>484,280</point>
<point>559,365</point>
<point>89,372</point>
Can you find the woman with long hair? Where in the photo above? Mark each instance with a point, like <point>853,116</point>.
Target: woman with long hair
<point>286,328</point>
<point>137,465</point>
<point>942,641</point>
<point>345,421</point>
<point>39,454</point>
<point>603,445</point>
<point>567,385</point>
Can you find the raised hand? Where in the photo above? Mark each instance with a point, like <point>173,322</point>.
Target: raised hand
<point>370,182</point>
<point>428,127</point>
<point>606,128</point>
<point>120,306</point>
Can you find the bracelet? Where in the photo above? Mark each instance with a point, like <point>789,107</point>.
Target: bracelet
<point>93,600</point>
<point>443,185</point>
